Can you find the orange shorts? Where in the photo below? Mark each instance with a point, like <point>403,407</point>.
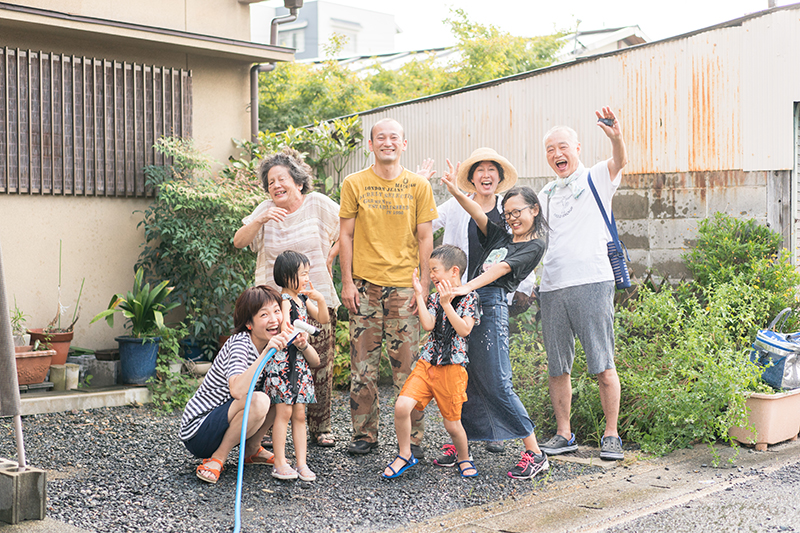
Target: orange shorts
<point>446,383</point>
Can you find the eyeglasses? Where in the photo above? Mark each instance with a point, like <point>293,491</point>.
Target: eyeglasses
<point>514,214</point>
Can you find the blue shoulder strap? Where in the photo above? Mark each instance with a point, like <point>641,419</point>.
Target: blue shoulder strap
<point>612,225</point>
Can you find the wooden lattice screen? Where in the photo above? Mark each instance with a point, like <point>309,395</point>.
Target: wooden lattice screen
<point>85,126</point>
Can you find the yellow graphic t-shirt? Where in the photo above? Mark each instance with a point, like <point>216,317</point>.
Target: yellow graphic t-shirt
<point>385,249</point>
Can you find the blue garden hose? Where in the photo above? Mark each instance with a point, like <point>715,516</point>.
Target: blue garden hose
<point>299,327</point>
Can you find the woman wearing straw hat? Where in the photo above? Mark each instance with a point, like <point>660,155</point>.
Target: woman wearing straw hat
<point>484,174</point>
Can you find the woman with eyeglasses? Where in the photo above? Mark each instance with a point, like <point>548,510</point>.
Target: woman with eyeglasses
<point>511,242</point>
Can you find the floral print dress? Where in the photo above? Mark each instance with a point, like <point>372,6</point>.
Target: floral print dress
<point>289,377</point>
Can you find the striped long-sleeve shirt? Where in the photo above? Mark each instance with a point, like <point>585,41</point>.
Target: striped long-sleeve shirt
<point>233,359</point>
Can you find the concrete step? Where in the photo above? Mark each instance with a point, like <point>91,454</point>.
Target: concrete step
<point>80,399</point>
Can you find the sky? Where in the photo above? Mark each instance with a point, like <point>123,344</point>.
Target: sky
<point>422,26</point>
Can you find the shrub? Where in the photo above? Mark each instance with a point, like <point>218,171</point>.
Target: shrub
<point>189,231</point>
<point>681,353</point>
<point>731,249</point>
<point>171,391</point>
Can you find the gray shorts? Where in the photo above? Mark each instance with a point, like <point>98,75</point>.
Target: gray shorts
<point>585,311</point>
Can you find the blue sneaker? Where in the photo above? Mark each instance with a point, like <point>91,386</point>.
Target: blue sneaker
<point>558,445</point>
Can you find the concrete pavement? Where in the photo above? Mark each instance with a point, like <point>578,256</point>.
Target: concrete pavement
<point>633,489</point>
<point>621,493</point>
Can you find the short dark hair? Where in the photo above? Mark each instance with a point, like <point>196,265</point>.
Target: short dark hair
<point>286,266</point>
<point>500,171</point>
<point>450,256</point>
<point>540,227</point>
<point>249,302</point>
<point>292,161</point>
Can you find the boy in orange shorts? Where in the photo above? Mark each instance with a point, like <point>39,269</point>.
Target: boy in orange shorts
<point>440,372</point>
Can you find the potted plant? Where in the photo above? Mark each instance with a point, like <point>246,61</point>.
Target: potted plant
<point>55,335</point>
<point>21,338</point>
<point>771,418</point>
<point>144,308</point>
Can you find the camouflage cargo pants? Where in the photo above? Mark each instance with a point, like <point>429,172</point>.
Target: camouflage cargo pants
<point>318,415</point>
<point>383,317</point>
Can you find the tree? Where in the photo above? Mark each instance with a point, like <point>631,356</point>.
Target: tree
<point>488,53</point>
<point>299,94</point>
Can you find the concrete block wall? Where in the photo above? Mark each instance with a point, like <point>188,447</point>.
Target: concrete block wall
<point>658,214</point>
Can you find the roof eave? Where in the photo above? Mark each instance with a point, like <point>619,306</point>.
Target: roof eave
<point>109,31</point>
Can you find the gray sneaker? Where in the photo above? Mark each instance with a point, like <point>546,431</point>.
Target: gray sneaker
<point>611,449</point>
<point>558,445</point>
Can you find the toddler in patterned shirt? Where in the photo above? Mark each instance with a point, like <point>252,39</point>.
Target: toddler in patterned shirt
<point>440,372</point>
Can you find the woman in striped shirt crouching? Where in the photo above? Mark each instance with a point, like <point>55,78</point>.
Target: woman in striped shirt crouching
<point>212,422</point>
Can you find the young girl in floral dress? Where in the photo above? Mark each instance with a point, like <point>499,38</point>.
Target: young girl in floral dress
<point>289,382</point>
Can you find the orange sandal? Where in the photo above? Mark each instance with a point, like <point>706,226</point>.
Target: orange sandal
<point>256,459</point>
<point>208,469</point>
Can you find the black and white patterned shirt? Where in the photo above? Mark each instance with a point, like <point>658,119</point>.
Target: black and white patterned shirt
<point>233,359</point>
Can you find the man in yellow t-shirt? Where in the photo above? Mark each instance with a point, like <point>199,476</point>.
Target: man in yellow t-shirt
<point>386,232</point>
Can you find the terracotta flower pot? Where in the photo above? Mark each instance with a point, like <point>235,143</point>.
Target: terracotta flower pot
<point>32,366</point>
<point>56,341</point>
<point>775,417</point>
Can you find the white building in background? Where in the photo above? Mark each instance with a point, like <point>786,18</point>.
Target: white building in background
<point>367,32</point>
<point>589,43</point>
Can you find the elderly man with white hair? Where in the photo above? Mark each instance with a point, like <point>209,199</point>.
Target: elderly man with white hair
<point>577,287</point>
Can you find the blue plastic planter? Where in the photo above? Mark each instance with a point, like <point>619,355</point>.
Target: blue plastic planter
<point>192,350</point>
<point>137,359</point>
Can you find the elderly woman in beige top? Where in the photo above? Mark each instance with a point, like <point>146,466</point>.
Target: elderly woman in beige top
<point>296,218</point>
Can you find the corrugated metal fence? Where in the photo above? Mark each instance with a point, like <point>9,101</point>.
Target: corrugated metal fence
<point>718,99</point>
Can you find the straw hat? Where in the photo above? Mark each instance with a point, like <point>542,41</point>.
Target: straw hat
<point>487,154</point>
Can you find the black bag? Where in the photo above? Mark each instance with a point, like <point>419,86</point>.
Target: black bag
<point>615,246</point>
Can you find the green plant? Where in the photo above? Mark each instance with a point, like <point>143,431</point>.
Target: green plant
<point>731,249</point>
<point>143,307</point>
<point>55,325</point>
<point>171,390</point>
<point>326,146</point>
<point>18,320</point>
<point>189,231</point>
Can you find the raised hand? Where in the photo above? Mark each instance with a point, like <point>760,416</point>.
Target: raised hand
<point>416,284</point>
<point>607,114</point>
<point>450,178</point>
<point>276,214</point>
<point>312,293</point>
<point>446,293</point>
<point>426,171</point>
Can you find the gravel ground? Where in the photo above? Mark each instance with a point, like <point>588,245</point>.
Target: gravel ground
<point>124,469</point>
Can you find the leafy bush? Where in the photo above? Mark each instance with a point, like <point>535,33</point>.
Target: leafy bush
<point>728,246</point>
<point>327,147</point>
<point>171,391</point>
<point>189,231</point>
<point>682,353</point>
<point>731,249</point>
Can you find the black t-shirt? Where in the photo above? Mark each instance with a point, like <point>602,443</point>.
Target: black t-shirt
<point>473,236</point>
<point>499,246</point>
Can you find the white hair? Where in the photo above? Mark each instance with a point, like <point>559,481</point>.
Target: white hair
<point>571,134</point>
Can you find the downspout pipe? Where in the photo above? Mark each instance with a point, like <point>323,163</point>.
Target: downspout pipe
<point>265,67</point>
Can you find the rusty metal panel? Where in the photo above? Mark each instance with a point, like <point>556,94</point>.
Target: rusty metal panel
<point>715,100</point>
